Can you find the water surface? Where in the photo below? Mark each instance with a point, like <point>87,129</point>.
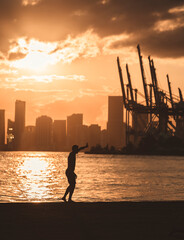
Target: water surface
<point>40,177</point>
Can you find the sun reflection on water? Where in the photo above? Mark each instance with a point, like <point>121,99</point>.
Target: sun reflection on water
<point>40,177</point>
<point>34,173</point>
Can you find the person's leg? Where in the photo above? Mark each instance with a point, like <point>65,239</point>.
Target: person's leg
<point>69,187</point>
<point>71,192</point>
<point>66,193</point>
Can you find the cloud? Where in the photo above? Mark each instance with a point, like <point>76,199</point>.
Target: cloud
<point>143,21</point>
<point>30,2</point>
<point>2,57</point>
<point>82,46</point>
<point>44,79</point>
<point>104,91</point>
<point>179,9</point>
<point>169,25</point>
<point>16,56</point>
<point>36,55</point>
<point>7,72</point>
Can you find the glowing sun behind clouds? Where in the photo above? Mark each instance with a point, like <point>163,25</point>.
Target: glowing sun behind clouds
<point>38,55</point>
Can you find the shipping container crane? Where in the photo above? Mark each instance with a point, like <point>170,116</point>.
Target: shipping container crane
<point>154,80</point>
<point>163,116</point>
<point>122,83</point>
<point>143,76</point>
<point>170,91</point>
<point>180,94</point>
<point>130,84</point>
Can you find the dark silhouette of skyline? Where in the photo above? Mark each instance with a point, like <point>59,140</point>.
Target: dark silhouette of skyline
<point>19,124</point>
<point>61,134</point>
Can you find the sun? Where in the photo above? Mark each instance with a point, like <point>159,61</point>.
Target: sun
<point>38,55</point>
<point>36,61</point>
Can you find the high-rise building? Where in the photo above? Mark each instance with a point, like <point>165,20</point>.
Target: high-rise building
<point>104,138</point>
<point>20,107</point>
<point>59,135</point>
<point>28,138</point>
<point>83,135</point>
<point>44,133</point>
<point>2,129</point>
<point>10,134</point>
<point>94,135</point>
<point>115,126</point>
<point>74,123</point>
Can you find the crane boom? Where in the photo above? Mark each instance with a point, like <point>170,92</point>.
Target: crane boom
<point>170,91</point>
<point>130,83</point>
<point>181,95</point>
<point>121,81</point>
<point>143,75</point>
<point>154,75</point>
<point>154,81</point>
<point>152,78</point>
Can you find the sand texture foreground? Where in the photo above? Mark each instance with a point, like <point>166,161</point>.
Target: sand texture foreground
<point>123,220</point>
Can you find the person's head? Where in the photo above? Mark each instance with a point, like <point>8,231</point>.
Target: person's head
<point>75,148</point>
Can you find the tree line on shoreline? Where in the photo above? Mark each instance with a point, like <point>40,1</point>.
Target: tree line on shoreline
<point>149,145</point>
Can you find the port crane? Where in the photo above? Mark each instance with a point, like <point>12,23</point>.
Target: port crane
<point>164,113</point>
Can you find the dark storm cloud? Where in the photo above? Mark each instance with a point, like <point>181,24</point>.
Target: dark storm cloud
<point>162,44</point>
<point>165,44</point>
<point>8,8</point>
<point>9,26</point>
<point>53,20</point>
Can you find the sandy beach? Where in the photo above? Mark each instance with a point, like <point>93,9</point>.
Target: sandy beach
<point>121,220</point>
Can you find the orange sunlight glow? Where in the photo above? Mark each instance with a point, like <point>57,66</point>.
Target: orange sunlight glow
<point>34,166</point>
<point>37,61</point>
<point>34,173</point>
<point>37,55</point>
<point>29,2</point>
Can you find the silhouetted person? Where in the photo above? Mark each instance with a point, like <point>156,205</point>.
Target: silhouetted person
<point>71,176</point>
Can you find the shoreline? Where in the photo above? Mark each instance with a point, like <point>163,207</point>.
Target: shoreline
<point>99,220</point>
<point>136,154</point>
<point>104,153</point>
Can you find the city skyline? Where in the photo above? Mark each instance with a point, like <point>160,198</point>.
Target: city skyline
<point>62,55</point>
<point>49,115</point>
<point>61,134</point>
<point>48,134</point>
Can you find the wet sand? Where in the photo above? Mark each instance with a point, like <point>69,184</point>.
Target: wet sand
<point>121,220</point>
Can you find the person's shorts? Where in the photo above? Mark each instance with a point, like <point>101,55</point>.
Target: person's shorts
<point>71,176</point>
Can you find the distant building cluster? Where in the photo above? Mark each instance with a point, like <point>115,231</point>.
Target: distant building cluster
<point>60,135</point>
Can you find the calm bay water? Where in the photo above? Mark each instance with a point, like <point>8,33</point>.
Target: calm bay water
<point>40,177</point>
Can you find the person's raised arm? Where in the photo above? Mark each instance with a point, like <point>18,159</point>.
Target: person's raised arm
<point>81,148</point>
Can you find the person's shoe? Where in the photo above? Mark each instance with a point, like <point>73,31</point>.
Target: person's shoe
<point>70,201</point>
<point>64,199</point>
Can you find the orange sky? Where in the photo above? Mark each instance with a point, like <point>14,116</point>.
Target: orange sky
<point>60,56</point>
